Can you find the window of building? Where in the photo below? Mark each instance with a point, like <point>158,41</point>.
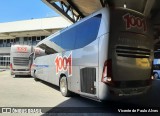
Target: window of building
<point>5,43</point>
<point>29,40</point>
<point>8,43</point>
<point>25,41</point>
<point>42,37</point>
<point>38,39</point>
<point>17,41</point>
<point>12,41</point>
<point>1,43</point>
<point>34,40</point>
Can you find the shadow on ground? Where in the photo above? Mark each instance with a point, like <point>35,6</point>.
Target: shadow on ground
<point>22,76</point>
<point>78,104</point>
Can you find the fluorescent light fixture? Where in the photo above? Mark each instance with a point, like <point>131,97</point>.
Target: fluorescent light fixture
<point>124,5</point>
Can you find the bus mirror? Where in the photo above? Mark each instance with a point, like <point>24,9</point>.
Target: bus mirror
<point>31,55</point>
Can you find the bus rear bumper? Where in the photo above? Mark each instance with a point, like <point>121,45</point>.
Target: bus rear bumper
<point>110,93</point>
<point>126,92</point>
<point>20,73</point>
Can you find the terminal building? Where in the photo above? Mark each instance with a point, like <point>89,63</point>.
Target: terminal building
<point>26,32</point>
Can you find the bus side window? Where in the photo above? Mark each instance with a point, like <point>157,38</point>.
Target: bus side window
<point>68,39</point>
<point>87,31</point>
<point>79,36</point>
<point>57,40</point>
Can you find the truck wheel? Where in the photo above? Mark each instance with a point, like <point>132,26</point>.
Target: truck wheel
<point>64,87</point>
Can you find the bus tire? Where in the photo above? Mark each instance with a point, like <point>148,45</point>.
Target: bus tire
<point>34,76</point>
<point>64,87</point>
<point>36,79</point>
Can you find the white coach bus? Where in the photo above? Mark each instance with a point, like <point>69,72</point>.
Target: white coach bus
<point>20,61</point>
<point>105,55</point>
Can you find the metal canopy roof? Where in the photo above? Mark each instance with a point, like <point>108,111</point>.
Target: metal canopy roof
<point>74,10</point>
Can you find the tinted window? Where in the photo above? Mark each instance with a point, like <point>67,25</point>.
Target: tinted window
<point>87,31</point>
<point>68,39</point>
<point>80,35</point>
<point>57,40</point>
<point>65,40</point>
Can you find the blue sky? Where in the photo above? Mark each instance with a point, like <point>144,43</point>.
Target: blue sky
<point>15,10</point>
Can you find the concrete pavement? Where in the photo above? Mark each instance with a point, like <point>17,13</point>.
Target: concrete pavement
<point>25,92</point>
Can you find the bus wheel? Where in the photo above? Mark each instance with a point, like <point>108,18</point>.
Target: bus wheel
<point>156,76</point>
<point>36,79</point>
<point>64,87</point>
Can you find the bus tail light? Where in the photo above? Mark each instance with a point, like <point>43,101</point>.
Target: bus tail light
<point>30,67</point>
<point>107,72</point>
<point>11,67</point>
